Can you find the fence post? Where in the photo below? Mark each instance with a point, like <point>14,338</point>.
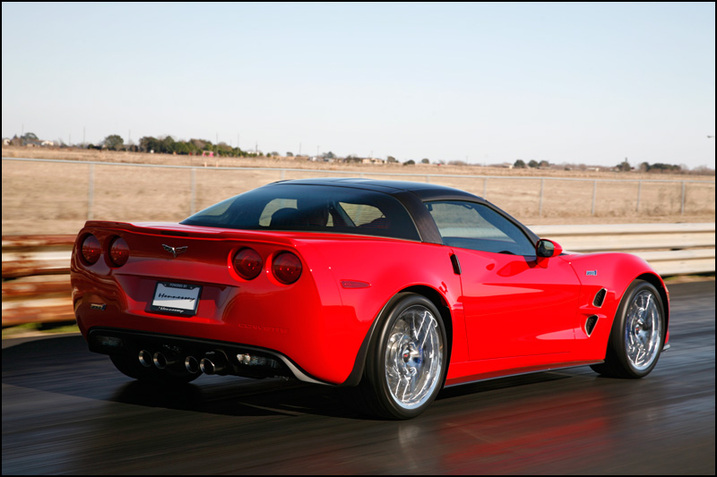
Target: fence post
<point>594,197</point>
<point>91,192</point>
<point>192,204</point>
<point>682,208</point>
<point>540,206</point>
<point>639,191</point>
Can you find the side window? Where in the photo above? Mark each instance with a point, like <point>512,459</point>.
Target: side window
<point>478,227</point>
<point>363,215</point>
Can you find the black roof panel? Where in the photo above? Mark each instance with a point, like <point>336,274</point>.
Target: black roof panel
<point>422,189</point>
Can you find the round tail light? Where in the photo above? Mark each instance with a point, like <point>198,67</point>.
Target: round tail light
<point>91,249</point>
<point>248,263</point>
<point>119,252</point>
<point>286,267</point>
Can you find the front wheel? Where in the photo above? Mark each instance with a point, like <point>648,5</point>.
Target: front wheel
<point>408,360</point>
<point>638,333</point>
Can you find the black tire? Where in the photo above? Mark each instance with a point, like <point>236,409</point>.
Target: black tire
<point>130,365</point>
<point>407,361</point>
<point>638,333</point>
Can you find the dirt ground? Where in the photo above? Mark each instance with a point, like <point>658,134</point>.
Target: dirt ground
<point>56,198</point>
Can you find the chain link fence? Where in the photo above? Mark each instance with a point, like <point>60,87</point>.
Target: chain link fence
<point>44,196</point>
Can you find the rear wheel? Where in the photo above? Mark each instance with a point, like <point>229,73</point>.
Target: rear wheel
<point>408,359</point>
<point>638,333</point>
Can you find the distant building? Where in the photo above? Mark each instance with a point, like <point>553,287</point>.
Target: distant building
<point>372,160</point>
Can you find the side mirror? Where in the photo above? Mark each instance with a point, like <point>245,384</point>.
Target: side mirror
<point>547,248</point>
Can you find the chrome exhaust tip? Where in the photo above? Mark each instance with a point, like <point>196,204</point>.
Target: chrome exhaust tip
<point>214,362</point>
<point>207,366</point>
<point>145,358</point>
<point>191,365</point>
<point>161,361</point>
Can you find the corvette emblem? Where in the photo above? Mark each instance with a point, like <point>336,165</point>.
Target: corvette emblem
<point>175,250</point>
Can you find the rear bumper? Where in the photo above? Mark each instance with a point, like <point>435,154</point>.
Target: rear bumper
<point>239,360</point>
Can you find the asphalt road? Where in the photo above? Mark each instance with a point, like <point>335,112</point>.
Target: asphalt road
<point>67,411</point>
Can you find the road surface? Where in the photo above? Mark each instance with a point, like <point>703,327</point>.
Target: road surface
<point>68,411</point>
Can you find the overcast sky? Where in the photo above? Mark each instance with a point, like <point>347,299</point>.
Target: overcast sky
<point>586,83</point>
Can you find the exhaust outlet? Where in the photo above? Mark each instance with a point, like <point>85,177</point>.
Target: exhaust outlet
<point>191,365</point>
<point>145,358</point>
<point>214,362</point>
<point>161,361</point>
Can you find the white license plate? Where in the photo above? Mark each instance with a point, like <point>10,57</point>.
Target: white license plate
<point>179,298</point>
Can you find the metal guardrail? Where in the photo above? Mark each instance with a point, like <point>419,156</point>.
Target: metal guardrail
<point>36,280</point>
<point>671,249</point>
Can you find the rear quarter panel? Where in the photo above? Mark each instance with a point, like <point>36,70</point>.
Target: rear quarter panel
<point>369,272</point>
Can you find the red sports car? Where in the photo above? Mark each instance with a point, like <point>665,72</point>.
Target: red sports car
<point>395,288</point>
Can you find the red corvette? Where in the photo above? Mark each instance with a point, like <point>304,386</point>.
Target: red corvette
<point>395,288</point>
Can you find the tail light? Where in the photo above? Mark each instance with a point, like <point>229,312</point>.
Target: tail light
<point>286,267</point>
<point>91,249</point>
<point>248,263</point>
<point>119,252</point>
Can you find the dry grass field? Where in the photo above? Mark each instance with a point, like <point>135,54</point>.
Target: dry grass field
<point>55,198</point>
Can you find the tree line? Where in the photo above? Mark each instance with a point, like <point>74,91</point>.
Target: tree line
<point>624,166</point>
<point>167,145</point>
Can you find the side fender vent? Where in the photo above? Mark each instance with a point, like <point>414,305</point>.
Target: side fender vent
<point>599,298</point>
<point>456,264</point>
<point>590,324</point>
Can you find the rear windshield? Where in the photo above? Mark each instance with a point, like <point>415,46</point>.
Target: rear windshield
<point>311,208</point>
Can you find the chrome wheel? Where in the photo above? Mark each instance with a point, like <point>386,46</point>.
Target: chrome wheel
<point>407,361</point>
<point>643,330</point>
<point>637,335</point>
<point>413,357</point>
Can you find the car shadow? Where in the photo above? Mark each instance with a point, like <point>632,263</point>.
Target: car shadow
<point>64,365</point>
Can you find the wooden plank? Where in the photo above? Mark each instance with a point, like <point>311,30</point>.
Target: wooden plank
<point>671,241</point>
<point>26,268</point>
<point>37,311</point>
<point>36,286</point>
<point>685,267</point>
<point>27,242</point>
